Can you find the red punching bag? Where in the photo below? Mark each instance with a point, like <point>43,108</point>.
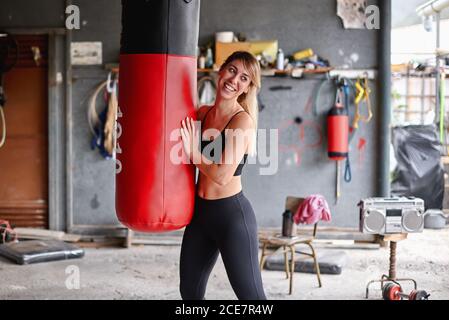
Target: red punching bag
<point>157,89</point>
<point>337,131</point>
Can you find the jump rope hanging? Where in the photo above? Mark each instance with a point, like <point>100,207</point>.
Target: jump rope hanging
<point>102,125</point>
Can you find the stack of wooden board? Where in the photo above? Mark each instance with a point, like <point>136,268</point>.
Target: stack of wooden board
<point>41,234</point>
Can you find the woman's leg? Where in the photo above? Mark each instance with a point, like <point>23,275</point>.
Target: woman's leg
<point>198,256</point>
<point>239,248</point>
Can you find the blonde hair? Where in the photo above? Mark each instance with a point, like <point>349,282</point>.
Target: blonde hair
<point>249,100</point>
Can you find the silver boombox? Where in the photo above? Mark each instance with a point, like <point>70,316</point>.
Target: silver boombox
<point>391,215</point>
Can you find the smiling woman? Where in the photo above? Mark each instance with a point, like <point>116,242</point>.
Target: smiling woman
<point>223,219</point>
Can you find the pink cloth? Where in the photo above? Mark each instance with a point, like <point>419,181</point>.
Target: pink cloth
<point>313,209</point>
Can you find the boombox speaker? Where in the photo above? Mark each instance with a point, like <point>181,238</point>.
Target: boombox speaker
<point>391,215</point>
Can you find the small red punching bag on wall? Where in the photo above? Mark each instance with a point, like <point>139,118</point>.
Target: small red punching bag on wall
<point>338,130</point>
<point>157,89</point>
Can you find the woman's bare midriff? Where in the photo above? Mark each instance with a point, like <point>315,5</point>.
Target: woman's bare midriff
<point>210,190</point>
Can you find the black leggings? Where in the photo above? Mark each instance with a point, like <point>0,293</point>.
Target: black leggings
<point>228,226</point>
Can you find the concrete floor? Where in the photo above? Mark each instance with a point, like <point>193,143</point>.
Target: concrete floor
<point>151,272</point>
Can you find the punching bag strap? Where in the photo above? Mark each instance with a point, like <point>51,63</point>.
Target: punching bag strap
<point>348,175</point>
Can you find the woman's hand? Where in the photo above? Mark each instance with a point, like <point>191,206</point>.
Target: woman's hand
<point>190,139</point>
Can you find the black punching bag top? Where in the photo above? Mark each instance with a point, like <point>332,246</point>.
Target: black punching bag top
<point>160,26</point>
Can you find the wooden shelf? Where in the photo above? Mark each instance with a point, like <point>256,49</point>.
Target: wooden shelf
<point>274,72</point>
<point>113,67</point>
<point>265,72</point>
<point>206,70</point>
<point>319,70</point>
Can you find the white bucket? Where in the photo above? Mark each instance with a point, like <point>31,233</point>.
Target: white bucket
<point>224,36</point>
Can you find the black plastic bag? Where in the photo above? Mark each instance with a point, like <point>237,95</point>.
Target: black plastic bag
<point>419,171</point>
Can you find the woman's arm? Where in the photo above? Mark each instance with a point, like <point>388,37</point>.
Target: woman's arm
<point>237,139</point>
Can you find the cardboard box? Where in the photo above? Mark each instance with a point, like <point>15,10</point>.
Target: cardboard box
<point>224,50</point>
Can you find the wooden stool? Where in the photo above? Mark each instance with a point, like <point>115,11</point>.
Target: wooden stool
<point>279,244</point>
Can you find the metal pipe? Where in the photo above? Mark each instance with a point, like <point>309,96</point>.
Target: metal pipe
<point>432,7</point>
<point>437,71</point>
<point>68,131</point>
<point>53,135</point>
<point>384,105</point>
<point>423,95</point>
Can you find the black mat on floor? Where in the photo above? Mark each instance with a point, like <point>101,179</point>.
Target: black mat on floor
<point>35,251</point>
<point>330,262</point>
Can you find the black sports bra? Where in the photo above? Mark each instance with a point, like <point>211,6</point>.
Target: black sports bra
<point>220,139</point>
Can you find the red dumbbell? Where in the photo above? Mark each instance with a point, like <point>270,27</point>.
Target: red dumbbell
<point>393,291</point>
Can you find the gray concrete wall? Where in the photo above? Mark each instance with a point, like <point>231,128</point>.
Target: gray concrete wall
<point>297,25</point>
<point>32,14</point>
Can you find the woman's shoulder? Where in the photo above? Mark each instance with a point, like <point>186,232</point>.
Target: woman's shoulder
<point>242,119</point>
<point>201,112</point>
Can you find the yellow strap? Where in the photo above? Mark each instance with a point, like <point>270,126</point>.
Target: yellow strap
<point>368,102</point>
<point>360,91</point>
<point>363,91</point>
<point>359,95</point>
